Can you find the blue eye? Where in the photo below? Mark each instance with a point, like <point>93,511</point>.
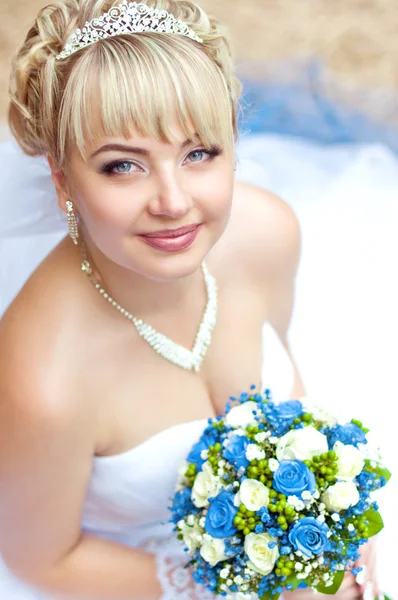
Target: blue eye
<point>197,155</point>
<point>119,167</point>
<point>122,167</point>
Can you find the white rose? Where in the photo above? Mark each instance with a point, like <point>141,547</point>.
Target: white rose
<point>254,452</point>
<point>213,550</point>
<point>301,444</point>
<point>253,494</point>
<point>242,415</point>
<point>340,496</point>
<point>261,558</point>
<point>350,461</point>
<point>192,536</point>
<point>206,485</point>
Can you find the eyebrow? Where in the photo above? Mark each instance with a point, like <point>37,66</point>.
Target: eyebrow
<point>134,149</point>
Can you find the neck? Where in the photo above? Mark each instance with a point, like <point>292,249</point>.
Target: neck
<point>148,299</point>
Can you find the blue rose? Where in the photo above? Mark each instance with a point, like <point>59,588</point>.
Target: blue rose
<point>349,434</point>
<point>289,410</point>
<point>235,452</point>
<point>309,536</point>
<point>204,443</point>
<point>220,516</point>
<point>293,477</point>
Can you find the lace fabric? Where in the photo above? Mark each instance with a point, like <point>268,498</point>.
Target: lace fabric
<point>173,574</point>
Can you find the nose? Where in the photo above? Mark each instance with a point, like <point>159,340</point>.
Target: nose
<point>171,198</point>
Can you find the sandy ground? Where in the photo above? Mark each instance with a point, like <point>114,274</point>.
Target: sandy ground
<point>356,38</point>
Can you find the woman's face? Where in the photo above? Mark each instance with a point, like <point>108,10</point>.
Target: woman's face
<point>129,188</point>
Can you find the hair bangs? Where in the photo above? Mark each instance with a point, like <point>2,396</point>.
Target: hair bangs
<point>134,83</point>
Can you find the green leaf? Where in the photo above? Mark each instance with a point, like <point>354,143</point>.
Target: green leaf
<point>293,581</point>
<point>378,469</point>
<point>375,521</point>
<point>332,589</point>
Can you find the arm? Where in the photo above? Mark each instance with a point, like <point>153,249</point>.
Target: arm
<point>46,450</point>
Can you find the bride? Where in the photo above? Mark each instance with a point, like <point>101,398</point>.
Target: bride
<point>98,406</point>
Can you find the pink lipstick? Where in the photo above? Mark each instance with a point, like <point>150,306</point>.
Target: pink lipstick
<point>172,240</point>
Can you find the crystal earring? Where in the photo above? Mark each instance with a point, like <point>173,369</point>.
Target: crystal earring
<point>72,222</point>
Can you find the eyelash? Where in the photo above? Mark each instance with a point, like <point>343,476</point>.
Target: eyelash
<point>107,169</point>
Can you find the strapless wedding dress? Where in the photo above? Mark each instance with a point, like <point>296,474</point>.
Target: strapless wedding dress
<point>128,495</point>
<point>344,326</point>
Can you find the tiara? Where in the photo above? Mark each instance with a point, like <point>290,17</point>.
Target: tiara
<point>127,17</point>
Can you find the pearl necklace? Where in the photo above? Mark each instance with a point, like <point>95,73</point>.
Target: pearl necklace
<point>179,355</point>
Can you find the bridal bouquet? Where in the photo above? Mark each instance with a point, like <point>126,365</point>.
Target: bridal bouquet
<point>276,496</point>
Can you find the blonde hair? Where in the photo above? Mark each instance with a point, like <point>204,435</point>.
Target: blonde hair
<point>137,80</point>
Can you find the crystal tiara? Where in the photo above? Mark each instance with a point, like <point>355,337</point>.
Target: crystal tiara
<point>127,17</point>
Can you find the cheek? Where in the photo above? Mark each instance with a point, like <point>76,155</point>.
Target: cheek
<point>109,207</point>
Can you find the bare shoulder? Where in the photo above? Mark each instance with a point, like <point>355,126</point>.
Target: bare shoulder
<point>267,234</point>
<point>46,446</point>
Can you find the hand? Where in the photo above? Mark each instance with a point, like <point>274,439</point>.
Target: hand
<point>367,579</point>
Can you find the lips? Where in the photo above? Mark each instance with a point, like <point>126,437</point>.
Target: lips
<point>170,233</point>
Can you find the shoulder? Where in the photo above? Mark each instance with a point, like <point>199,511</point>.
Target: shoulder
<point>264,237</point>
<point>268,231</point>
<point>36,331</point>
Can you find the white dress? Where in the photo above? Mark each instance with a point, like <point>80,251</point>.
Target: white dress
<point>344,327</point>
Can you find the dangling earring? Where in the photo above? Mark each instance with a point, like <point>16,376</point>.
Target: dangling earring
<point>72,222</point>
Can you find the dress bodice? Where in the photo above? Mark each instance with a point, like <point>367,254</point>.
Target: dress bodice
<point>129,493</point>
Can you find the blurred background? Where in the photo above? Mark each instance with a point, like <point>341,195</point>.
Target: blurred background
<point>319,127</point>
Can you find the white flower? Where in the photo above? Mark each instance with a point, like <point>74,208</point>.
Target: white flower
<point>273,465</point>
<point>239,579</point>
<point>182,480</point>
<point>298,567</point>
<point>262,558</point>
<point>260,437</point>
<point>335,517</point>
<point>253,494</point>
<point>306,495</point>
<point>204,455</point>
<point>242,415</point>
<point>192,536</point>
<point>206,485</point>
<point>295,502</point>
<point>254,452</point>
<point>340,496</point>
<point>224,573</point>
<point>350,461</point>
<point>301,444</point>
<point>213,550</point>
<point>320,414</point>
<point>351,527</point>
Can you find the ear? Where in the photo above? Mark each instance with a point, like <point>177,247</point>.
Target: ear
<point>59,178</point>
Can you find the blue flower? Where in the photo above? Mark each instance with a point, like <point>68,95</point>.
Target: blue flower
<point>182,505</point>
<point>309,536</point>
<point>220,517</point>
<point>204,443</point>
<point>293,477</point>
<point>347,434</point>
<point>289,410</point>
<point>235,452</point>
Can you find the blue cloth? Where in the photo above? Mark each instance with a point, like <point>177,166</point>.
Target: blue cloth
<point>302,104</point>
